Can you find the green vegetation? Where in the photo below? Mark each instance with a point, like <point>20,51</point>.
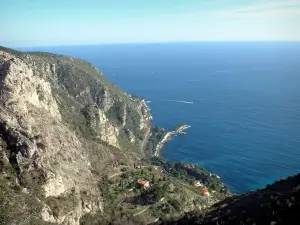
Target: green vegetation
<point>82,93</point>
<point>276,204</point>
<point>171,190</point>
<point>115,113</point>
<point>190,173</point>
<point>179,125</point>
<point>156,192</point>
<point>116,217</point>
<point>15,205</point>
<point>157,134</point>
<point>12,51</point>
<point>62,204</point>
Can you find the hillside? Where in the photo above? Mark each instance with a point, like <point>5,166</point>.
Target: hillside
<point>62,127</point>
<point>73,147</point>
<point>278,204</point>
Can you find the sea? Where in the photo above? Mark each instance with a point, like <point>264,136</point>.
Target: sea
<point>241,99</point>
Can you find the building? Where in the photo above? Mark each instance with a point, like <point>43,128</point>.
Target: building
<point>204,192</point>
<point>144,184</point>
<point>187,166</point>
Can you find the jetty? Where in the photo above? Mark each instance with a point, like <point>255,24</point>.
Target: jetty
<point>178,130</point>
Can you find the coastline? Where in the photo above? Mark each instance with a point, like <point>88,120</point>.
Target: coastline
<point>167,137</point>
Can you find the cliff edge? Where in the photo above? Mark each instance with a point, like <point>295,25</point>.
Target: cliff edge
<point>72,151</point>
<point>62,124</point>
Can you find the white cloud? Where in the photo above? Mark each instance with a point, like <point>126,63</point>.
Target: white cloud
<point>264,9</point>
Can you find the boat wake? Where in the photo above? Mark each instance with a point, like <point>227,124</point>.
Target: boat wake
<point>179,101</point>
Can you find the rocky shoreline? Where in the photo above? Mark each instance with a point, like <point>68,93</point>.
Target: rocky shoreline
<point>167,137</point>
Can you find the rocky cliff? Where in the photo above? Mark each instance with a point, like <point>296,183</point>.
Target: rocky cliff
<point>62,124</point>
<point>71,145</point>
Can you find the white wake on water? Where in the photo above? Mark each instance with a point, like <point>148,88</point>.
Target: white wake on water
<point>179,101</point>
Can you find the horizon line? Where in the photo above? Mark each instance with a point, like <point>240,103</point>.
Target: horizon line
<point>145,43</point>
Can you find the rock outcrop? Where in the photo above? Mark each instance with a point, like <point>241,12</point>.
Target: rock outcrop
<point>61,124</point>
<point>64,129</point>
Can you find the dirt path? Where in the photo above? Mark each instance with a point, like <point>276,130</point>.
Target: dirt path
<point>116,174</point>
<point>144,210</point>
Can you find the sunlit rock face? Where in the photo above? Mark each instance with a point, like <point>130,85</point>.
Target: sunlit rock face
<point>62,122</point>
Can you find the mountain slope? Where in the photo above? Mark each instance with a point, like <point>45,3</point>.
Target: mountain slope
<point>62,124</point>
<point>72,150</point>
<point>278,204</point>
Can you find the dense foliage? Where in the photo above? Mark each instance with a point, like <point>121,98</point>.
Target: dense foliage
<point>278,204</point>
<point>157,134</point>
<point>190,174</point>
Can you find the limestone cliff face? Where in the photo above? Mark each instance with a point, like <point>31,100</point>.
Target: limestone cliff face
<point>107,132</point>
<point>61,124</point>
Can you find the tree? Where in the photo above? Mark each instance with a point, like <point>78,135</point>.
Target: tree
<point>153,179</point>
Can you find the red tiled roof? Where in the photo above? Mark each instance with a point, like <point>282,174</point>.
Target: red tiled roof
<point>142,182</point>
<point>204,191</point>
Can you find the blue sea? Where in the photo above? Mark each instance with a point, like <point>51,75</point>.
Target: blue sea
<point>242,101</point>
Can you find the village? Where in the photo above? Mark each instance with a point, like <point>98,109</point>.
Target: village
<point>153,188</point>
<point>141,187</point>
<point>141,177</point>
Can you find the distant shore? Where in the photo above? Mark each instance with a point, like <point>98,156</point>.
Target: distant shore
<point>179,130</point>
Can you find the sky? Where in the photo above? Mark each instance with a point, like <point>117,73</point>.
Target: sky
<point>25,23</point>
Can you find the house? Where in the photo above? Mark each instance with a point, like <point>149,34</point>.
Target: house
<point>187,166</point>
<point>204,192</point>
<point>197,183</point>
<point>143,184</point>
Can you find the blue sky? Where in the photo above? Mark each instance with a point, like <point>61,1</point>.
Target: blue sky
<point>68,22</point>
